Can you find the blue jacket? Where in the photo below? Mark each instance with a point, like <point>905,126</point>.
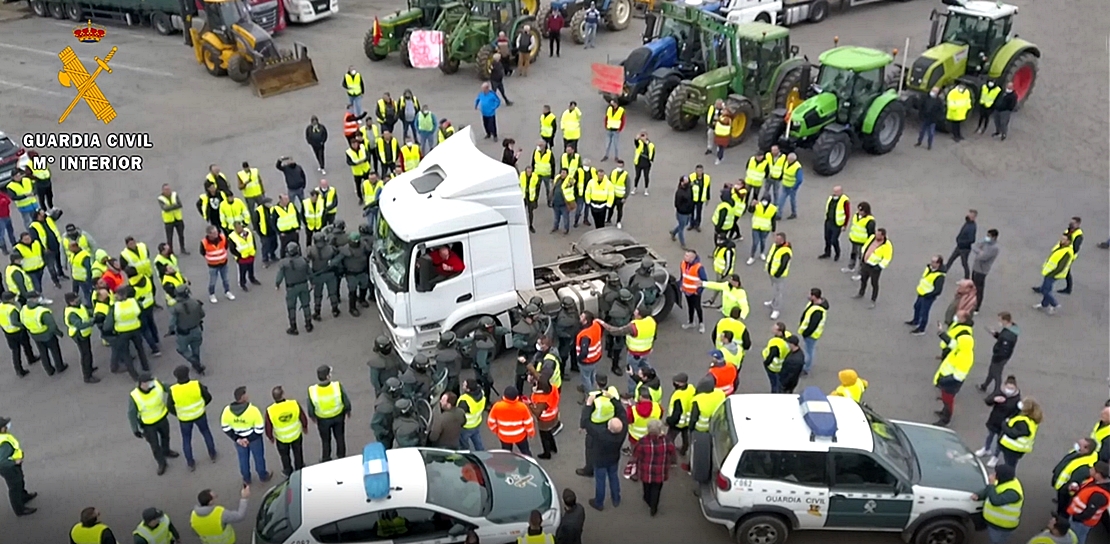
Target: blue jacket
<point>487,102</point>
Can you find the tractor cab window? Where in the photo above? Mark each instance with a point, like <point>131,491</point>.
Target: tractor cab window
<point>222,15</point>
<point>719,47</point>
<point>867,85</point>
<point>835,80</point>
<point>965,29</point>
<point>996,35</point>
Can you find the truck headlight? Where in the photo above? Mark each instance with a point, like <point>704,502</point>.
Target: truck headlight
<point>404,343</point>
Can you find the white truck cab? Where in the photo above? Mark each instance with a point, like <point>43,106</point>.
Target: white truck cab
<point>462,200</point>
<point>307,11</point>
<point>784,463</point>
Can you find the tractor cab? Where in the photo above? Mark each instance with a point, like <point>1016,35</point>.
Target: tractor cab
<point>854,76</point>
<point>981,26</point>
<point>501,12</point>
<point>763,48</point>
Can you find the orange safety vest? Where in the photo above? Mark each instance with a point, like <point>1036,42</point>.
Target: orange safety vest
<point>1082,496</point>
<point>350,125</point>
<point>690,277</point>
<point>511,421</point>
<point>725,376</point>
<point>551,400</point>
<point>215,253</point>
<point>593,354</point>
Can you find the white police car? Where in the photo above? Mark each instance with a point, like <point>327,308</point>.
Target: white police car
<point>783,463</point>
<point>408,495</point>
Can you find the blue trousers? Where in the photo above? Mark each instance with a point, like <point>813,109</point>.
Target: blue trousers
<point>680,229</point>
<point>213,273</point>
<point>187,438</point>
<point>471,439</point>
<point>580,210</point>
<point>921,308</point>
<point>809,349</point>
<point>1046,293</point>
<point>776,382</point>
<point>84,289</point>
<point>562,217</point>
<point>759,239</point>
<point>149,328</point>
<point>589,375</point>
<point>254,448</point>
<point>611,473</point>
<point>927,129</point>
<point>788,193</point>
<point>355,101</point>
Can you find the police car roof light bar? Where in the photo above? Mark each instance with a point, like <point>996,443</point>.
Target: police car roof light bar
<point>817,413</point>
<point>375,472</point>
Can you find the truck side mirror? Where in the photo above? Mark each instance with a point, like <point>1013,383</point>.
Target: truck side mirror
<point>425,274</point>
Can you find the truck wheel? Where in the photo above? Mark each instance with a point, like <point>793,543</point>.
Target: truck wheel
<point>57,10</point>
<point>1022,72</point>
<point>39,8</point>
<point>830,152</point>
<point>470,325</point>
<point>887,130</point>
<point>368,47</point>
<point>578,27</point>
<point>404,52</point>
<point>676,118</point>
<point>541,19</point>
<point>743,115</point>
<point>941,531</point>
<point>238,69</point>
<point>618,15</point>
<point>484,62</point>
<point>74,11</point>
<point>664,305</point>
<point>762,529</point>
<point>212,62</point>
<point>763,18</point>
<point>770,132</point>
<point>789,93</point>
<point>658,91</point>
<point>818,11</point>
<point>161,23</point>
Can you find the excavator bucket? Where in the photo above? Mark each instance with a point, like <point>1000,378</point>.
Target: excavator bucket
<point>290,72</point>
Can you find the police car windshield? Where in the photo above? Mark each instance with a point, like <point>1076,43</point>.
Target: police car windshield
<point>280,513</point>
<point>891,444</point>
<point>457,482</point>
<point>392,257</point>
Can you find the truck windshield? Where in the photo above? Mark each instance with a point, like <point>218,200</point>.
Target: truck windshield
<point>280,513</point>
<point>890,444</point>
<point>392,257</point>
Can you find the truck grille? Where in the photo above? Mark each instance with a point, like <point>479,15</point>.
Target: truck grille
<point>321,6</point>
<point>265,15</point>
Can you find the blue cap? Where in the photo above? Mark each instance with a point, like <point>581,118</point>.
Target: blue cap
<point>717,354</point>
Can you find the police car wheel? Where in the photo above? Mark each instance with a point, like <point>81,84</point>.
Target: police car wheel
<point>762,529</point>
<point>941,531</point>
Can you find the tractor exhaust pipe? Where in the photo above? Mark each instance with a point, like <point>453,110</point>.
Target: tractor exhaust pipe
<point>934,30</point>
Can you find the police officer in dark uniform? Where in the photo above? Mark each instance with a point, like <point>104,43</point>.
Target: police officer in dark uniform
<point>448,358</point>
<point>642,284</point>
<point>620,314</point>
<point>408,430</point>
<point>337,233</point>
<point>417,380</point>
<point>526,333</point>
<point>325,260</point>
<point>567,324</point>
<point>356,270</point>
<point>609,294</point>
<point>384,409</point>
<point>481,346</point>
<point>295,271</point>
<point>385,365</point>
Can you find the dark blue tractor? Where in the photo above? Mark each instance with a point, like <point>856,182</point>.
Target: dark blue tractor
<point>672,53</point>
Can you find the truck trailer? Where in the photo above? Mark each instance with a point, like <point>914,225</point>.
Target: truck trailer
<point>463,200</point>
<point>165,16</point>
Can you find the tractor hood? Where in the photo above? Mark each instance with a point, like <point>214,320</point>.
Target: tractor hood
<point>929,69</point>
<point>714,78</point>
<point>812,114</point>
<point>404,15</point>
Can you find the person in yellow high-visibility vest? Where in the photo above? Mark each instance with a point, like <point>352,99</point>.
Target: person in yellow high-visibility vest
<point>359,160</point>
<point>548,124</point>
<point>352,82</point>
<point>243,423</point>
<point>851,385</point>
<point>791,182</point>
<point>700,184</point>
<point>287,221</point>
<point>862,228</point>
<point>313,213</point>
<point>543,164</point>
<point>1056,267</point>
<point>410,155</point>
<point>148,415</point>
<point>614,124</point>
<point>959,104</point>
<point>285,425</point>
<point>641,160</point>
<point>212,523</point>
<point>776,166</point>
<point>1018,434</point>
<point>529,188</point>
<point>388,153</point>
<point>959,356</point>
<point>837,209</point>
<point>874,258</point>
<point>711,116</point>
<point>242,248</point>
<point>764,218</point>
<point>330,408</point>
<point>619,177</point>
<point>755,175</point>
<point>988,94</point>
<point>250,183</point>
<point>724,265</point>
<point>1002,504</point>
<point>600,194</point>
<point>172,218</point>
<point>187,401</point>
<point>571,125</point>
<point>90,530</point>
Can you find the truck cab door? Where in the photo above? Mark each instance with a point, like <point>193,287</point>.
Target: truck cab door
<point>866,495</point>
<point>435,296</point>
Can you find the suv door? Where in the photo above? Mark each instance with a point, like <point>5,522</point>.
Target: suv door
<point>864,494</point>
<point>792,480</point>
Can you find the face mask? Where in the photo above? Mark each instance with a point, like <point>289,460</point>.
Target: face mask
<point>1075,446</point>
<point>539,347</point>
<point>352,72</point>
<point>1010,391</point>
<point>1020,405</point>
<point>986,238</point>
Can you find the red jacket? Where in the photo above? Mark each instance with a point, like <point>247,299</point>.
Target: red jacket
<point>453,264</point>
<point>555,22</point>
<point>5,206</point>
<point>642,407</point>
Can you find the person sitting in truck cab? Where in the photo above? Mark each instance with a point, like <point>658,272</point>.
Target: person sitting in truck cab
<point>447,263</point>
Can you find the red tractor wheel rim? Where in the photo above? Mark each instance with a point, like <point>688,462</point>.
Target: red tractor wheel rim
<point>1023,80</point>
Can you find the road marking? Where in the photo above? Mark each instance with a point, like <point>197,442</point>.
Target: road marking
<point>114,65</point>
<point>29,88</point>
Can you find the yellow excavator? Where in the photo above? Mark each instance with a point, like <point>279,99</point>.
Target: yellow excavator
<point>228,43</point>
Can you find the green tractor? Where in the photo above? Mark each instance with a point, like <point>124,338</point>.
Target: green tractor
<point>976,46</point>
<point>851,105</point>
<point>751,66</point>
<point>391,33</point>
<point>470,32</point>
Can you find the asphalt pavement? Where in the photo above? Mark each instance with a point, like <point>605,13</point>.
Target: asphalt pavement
<point>79,449</point>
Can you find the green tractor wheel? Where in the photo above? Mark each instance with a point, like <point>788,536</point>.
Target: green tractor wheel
<point>368,47</point>
<point>403,51</point>
<point>658,92</point>
<point>1022,72</point>
<point>449,66</point>
<point>484,61</point>
<point>887,130</point>
<point>770,132</point>
<point>676,118</point>
<point>830,152</point>
<point>790,92</point>
<point>541,18</point>
<point>743,115</point>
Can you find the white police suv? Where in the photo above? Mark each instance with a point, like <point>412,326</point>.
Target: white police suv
<point>408,495</point>
<point>783,463</point>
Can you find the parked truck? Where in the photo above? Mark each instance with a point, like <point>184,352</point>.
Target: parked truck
<point>470,203</point>
<point>165,16</point>
<point>782,12</point>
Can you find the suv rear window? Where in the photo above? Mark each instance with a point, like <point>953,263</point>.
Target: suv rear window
<point>280,513</point>
<point>796,467</point>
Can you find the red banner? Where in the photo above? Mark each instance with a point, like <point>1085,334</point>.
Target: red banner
<point>608,78</point>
